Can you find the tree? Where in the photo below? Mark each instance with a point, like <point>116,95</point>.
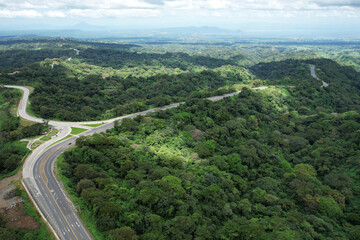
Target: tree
<point>205,149</point>
<point>124,233</point>
<point>327,206</point>
<point>304,171</point>
<point>128,125</point>
<point>84,184</point>
<point>172,185</point>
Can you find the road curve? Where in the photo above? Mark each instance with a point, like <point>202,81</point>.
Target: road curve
<point>38,171</point>
<point>313,74</point>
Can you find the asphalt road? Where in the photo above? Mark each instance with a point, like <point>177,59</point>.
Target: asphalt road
<point>49,196</point>
<point>38,171</point>
<point>313,74</point>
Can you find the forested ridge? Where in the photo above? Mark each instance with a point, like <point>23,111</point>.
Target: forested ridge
<point>64,93</point>
<point>73,99</point>
<point>281,163</point>
<point>117,59</point>
<point>261,165</point>
<point>13,59</point>
<point>342,94</point>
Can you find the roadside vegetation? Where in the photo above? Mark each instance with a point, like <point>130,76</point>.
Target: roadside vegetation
<point>31,220</point>
<point>12,151</point>
<point>93,125</point>
<point>282,163</point>
<point>76,131</point>
<point>260,165</point>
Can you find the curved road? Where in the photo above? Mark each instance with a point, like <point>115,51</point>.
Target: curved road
<point>38,171</point>
<point>39,178</point>
<point>313,74</point>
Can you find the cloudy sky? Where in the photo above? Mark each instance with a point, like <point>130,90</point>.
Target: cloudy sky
<point>232,14</point>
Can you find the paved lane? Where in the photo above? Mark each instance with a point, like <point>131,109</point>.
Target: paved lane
<point>313,74</point>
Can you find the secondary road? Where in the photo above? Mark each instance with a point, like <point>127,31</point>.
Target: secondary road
<point>38,171</point>
<point>313,74</point>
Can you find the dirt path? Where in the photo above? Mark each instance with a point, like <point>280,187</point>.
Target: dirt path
<point>6,185</point>
<point>12,206</point>
<point>6,181</point>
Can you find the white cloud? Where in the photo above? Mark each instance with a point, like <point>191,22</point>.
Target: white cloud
<point>56,14</point>
<point>218,4</point>
<point>179,8</point>
<point>113,13</point>
<point>21,13</point>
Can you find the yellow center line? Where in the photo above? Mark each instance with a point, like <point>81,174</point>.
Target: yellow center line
<point>42,169</point>
<point>42,166</point>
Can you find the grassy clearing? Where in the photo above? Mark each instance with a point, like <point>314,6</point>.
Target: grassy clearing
<point>84,214</point>
<point>13,110</point>
<point>75,130</point>
<point>279,95</point>
<point>25,123</point>
<point>53,132</point>
<point>36,144</point>
<point>45,138</point>
<point>278,91</point>
<point>93,125</point>
<point>31,89</point>
<point>30,138</point>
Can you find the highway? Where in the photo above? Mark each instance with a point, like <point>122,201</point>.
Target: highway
<point>38,171</point>
<point>49,196</point>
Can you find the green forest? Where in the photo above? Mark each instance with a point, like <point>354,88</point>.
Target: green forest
<point>58,87</point>
<point>277,163</point>
<point>12,151</point>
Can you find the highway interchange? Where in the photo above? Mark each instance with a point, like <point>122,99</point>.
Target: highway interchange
<point>38,171</point>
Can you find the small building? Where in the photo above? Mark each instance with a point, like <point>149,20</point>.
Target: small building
<point>15,72</point>
<point>105,75</point>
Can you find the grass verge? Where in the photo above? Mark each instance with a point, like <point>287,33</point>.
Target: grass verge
<point>36,144</point>
<point>68,136</point>
<point>93,125</point>
<point>25,123</point>
<point>82,210</point>
<point>75,130</point>
<point>53,132</point>
<point>45,138</point>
